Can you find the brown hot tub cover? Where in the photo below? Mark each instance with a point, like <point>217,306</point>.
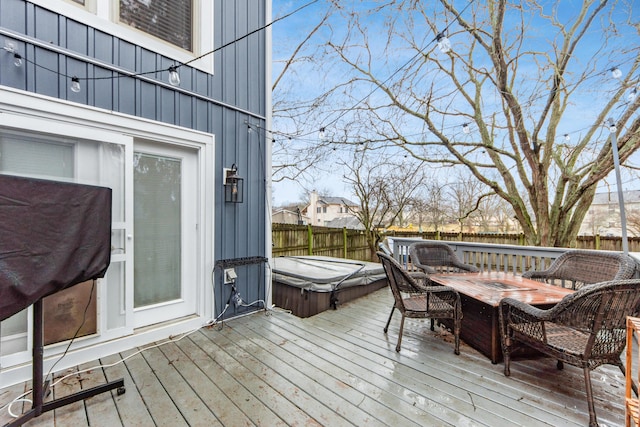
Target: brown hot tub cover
<point>52,235</point>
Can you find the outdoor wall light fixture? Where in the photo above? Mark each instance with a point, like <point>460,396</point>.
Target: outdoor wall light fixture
<point>233,185</point>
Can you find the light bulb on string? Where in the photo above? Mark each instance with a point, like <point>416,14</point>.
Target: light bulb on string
<point>567,137</point>
<point>174,77</point>
<point>321,134</point>
<point>466,129</point>
<point>17,59</point>
<point>75,84</point>
<point>444,44</point>
<point>616,73</point>
<point>632,95</point>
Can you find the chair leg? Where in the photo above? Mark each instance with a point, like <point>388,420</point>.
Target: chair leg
<point>506,355</point>
<point>456,335</point>
<point>386,328</point>
<point>593,421</point>
<point>400,333</point>
<point>432,322</point>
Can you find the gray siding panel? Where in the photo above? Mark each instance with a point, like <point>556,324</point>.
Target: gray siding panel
<point>221,104</point>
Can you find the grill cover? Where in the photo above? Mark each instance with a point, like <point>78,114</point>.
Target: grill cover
<point>53,235</point>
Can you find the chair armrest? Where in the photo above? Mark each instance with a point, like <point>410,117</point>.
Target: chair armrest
<point>535,275</point>
<point>426,270</point>
<point>525,311</point>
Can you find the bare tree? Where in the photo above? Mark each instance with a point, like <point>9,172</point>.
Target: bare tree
<point>383,189</point>
<point>518,78</point>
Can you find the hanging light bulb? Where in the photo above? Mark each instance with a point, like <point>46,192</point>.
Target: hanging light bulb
<point>616,73</point>
<point>75,84</point>
<point>567,137</point>
<point>174,77</point>
<point>632,95</point>
<point>17,59</point>
<point>321,134</point>
<point>612,125</point>
<point>444,44</point>
<point>466,129</point>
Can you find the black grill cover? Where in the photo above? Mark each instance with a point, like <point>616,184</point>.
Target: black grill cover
<point>52,235</point>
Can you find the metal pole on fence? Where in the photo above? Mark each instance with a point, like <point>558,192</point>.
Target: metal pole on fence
<point>616,165</point>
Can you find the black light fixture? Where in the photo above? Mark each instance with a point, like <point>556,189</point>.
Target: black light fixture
<point>233,185</point>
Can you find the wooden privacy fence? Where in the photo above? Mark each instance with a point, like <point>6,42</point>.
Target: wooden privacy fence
<point>291,239</point>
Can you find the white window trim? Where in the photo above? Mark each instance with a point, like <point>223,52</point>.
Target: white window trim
<point>102,15</point>
<point>33,112</point>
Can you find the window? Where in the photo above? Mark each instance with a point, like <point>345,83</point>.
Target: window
<point>318,210</point>
<point>324,210</point>
<point>169,20</point>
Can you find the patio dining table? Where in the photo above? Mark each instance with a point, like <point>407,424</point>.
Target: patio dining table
<point>480,295</point>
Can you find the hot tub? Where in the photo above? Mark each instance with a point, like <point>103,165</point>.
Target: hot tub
<point>308,285</point>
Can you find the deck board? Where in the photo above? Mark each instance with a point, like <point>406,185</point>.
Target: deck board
<point>336,368</point>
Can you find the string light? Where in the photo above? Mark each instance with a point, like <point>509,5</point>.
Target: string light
<point>321,134</point>
<point>17,59</point>
<point>567,137</point>
<point>632,95</point>
<point>444,44</point>
<point>466,129</point>
<point>616,73</point>
<point>174,77</point>
<point>75,84</point>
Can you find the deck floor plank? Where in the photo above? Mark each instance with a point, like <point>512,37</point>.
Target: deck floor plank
<point>266,386</point>
<point>101,408</point>
<point>336,368</point>
<point>330,392</point>
<point>225,411</point>
<point>340,370</point>
<point>187,401</point>
<point>157,400</point>
<point>130,405</point>
<point>201,350</point>
<point>68,382</point>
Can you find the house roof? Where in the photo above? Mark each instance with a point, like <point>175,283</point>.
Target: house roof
<point>632,196</point>
<point>349,222</point>
<point>336,201</point>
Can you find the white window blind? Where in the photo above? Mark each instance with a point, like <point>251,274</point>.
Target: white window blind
<point>169,20</point>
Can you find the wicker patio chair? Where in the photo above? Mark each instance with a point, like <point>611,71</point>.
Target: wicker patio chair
<point>415,300</point>
<point>437,257</point>
<point>576,268</point>
<point>585,329</point>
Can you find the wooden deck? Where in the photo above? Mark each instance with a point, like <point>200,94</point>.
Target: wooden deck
<point>334,369</point>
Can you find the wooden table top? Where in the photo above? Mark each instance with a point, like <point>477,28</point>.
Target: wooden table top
<point>491,287</point>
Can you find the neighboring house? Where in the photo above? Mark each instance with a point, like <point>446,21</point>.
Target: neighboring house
<point>604,214</point>
<point>163,149</point>
<point>289,215</point>
<point>322,209</point>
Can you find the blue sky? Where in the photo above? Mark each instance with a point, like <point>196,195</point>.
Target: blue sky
<point>289,32</point>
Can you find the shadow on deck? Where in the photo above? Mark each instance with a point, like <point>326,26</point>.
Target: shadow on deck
<point>336,368</point>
